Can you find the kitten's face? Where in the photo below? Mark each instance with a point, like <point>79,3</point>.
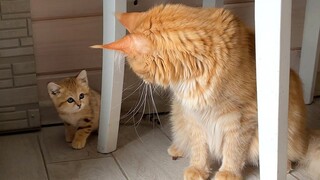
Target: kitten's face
<point>166,44</point>
<point>70,95</point>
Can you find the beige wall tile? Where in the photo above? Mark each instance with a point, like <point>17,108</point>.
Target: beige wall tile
<point>63,45</point>
<point>48,9</point>
<point>14,6</point>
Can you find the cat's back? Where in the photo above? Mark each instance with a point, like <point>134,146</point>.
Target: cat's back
<point>175,16</point>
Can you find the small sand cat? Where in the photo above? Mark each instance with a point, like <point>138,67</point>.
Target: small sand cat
<point>78,106</point>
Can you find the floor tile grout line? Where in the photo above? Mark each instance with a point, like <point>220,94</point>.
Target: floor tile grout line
<point>165,134</point>
<point>75,160</point>
<point>294,176</point>
<point>121,169</point>
<point>44,160</point>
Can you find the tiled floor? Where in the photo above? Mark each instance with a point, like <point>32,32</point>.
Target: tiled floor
<point>141,155</point>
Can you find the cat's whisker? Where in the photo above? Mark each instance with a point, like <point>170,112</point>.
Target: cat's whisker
<point>135,108</point>
<point>123,99</point>
<point>141,100</point>
<point>151,118</point>
<point>137,123</point>
<point>154,105</point>
<point>144,107</point>
<point>155,89</point>
<point>132,112</point>
<point>136,130</point>
<point>132,85</point>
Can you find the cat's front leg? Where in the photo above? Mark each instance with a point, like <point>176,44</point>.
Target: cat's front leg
<point>199,156</point>
<point>84,130</point>
<point>179,133</point>
<point>190,138</point>
<point>199,152</point>
<point>236,144</point>
<point>69,132</point>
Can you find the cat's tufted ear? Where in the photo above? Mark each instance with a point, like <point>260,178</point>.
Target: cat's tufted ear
<point>131,44</point>
<point>129,20</point>
<point>82,77</point>
<point>53,89</point>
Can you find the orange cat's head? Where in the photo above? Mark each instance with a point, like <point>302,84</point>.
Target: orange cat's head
<point>171,44</point>
<point>70,95</point>
<point>174,43</point>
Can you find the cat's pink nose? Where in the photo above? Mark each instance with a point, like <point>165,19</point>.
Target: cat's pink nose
<point>79,105</point>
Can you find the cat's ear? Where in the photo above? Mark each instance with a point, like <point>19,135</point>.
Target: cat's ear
<point>129,20</point>
<point>82,77</point>
<point>53,89</point>
<point>131,44</point>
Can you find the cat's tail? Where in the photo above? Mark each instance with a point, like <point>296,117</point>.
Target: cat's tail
<point>311,163</point>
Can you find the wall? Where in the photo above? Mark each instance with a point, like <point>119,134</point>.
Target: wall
<point>18,88</point>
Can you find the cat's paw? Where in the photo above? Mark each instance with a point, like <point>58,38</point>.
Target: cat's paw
<point>193,173</point>
<point>226,175</point>
<point>78,144</point>
<point>174,152</point>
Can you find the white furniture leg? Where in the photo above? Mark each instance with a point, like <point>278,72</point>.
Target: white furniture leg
<point>310,49</point>
<point>112,78</point>
<point>273,61</point>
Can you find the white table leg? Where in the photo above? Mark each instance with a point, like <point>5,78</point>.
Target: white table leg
<point>212,3</point>
<point>273,62</point>
<point>310,49</point>
<point>112,78</point>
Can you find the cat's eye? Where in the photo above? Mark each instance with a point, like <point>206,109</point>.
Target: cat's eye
<point>70,100</point>
<point>81,96</point>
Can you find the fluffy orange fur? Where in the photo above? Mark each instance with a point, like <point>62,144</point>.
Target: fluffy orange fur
<point>78,106</point>
<point>206,57</point>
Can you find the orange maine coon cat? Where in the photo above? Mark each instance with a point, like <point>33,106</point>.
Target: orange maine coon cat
<point>206,57</point>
